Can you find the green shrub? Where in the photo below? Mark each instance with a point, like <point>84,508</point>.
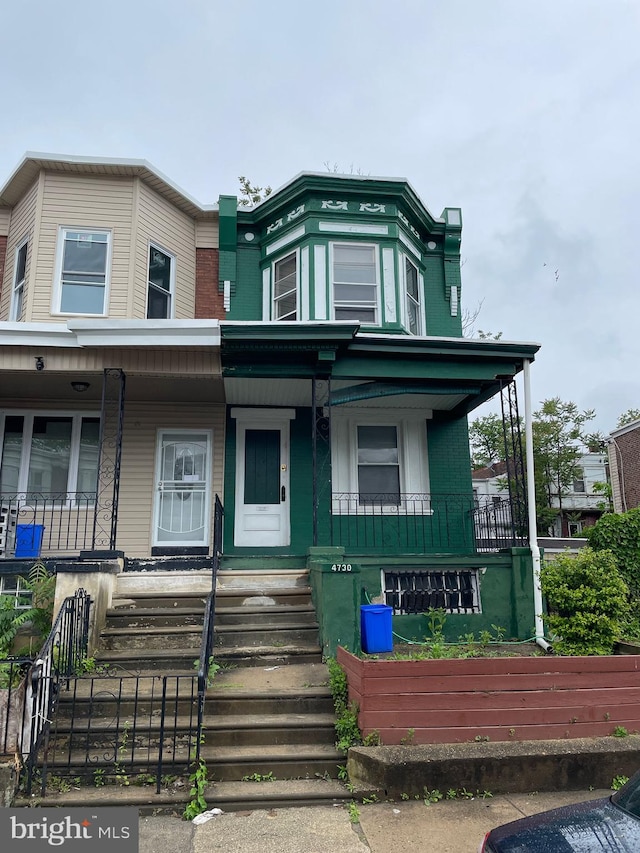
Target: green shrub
<point>620,534</point>
<point>587,600</point>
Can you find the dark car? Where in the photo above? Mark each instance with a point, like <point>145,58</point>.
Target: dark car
<point>609,825</point>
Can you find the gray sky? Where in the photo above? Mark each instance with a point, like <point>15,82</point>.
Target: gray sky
<point>523,112</point>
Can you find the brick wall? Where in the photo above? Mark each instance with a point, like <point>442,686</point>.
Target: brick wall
<point>209,301</point>
<point>628,465</point>
<point>3,255</point>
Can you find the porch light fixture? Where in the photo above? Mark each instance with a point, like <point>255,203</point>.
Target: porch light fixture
<point>80,387</point>
<point>39,362</point>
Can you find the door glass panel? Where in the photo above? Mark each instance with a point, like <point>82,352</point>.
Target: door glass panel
<point>182,497</point>
<point>262,466</point>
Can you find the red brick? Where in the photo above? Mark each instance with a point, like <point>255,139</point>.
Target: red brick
<point>209,301</point>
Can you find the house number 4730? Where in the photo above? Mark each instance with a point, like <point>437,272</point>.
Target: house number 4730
<point>341,567</point>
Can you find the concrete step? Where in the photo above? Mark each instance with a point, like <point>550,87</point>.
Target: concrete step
<point>248,614</point>
<point>148,601</point>
<point>149,617</point>
<point>262,579</point>
<point>267,655</point>
<point>227,702</point>
<point>174,795</point>
<point>263,597</point>
<point>284,761</point>
<point>193,581</point>
<point>241,730</point>
<point>145,639</point>
<point>264,633</point>
<point>133,661</point>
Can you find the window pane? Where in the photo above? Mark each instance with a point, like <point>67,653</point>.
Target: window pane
<point>412,316</point>
<point>50,451</point>
<point>88,458</point>
<point>21,264</point>
<point>158,306</point>
<point>11,453</point>
<point>379,484</point>
<point>285,288</point>
<point>364,315</point>
<point>352,264</point>
<point>86,254</point>
<point>412,279</point>
<point>159,269</point>
<point>82,299</point>
<point>354,293</point>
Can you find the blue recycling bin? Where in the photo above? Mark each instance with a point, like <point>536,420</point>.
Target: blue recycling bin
<point>375,628</point>
<point>28,540</point>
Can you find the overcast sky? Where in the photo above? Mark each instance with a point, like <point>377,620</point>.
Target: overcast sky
<point>525,113</point>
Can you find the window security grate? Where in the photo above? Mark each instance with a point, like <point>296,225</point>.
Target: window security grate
<point>456,591</point>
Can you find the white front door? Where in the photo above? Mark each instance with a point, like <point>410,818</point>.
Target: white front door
<point>262,477</point>
<point>183,488</point>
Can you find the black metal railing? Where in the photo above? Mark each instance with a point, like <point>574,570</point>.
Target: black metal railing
<point>206,646</point>
<point>422,523</point>
<point>112,728</point>
<point>56,522</point>
<point>60,657</point>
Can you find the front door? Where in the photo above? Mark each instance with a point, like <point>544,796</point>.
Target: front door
<point>183,488</point>
<point>262,477</point>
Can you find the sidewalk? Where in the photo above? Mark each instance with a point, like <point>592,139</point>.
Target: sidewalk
<point>455,826</point>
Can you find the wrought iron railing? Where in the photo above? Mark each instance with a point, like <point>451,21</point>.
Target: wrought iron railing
<point>423,523</point>
<point>62,653</point>
<point>55,522</point>
<point>206,646</point>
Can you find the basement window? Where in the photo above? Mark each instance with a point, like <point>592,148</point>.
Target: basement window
<point>412,592</point>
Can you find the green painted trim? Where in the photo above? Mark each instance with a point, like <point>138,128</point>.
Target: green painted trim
<point>384,389</point>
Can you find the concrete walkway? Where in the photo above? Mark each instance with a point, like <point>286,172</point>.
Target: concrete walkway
<point>455,826</point>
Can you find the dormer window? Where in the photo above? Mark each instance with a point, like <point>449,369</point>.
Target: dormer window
<point>355,280</point>
<point>285,288</point>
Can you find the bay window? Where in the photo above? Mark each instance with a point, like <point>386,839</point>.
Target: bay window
<point>285,288</point>
<point>161,277</point>
<point>413,304</point>
<point>19,275</point>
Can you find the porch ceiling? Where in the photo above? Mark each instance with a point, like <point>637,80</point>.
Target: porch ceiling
<point>51,387</point>
<point>244,391</point>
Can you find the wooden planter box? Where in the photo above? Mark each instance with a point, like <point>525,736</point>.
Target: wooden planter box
<point>494,699</point>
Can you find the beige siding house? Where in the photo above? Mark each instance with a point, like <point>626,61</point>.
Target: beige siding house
<point>111,397</point>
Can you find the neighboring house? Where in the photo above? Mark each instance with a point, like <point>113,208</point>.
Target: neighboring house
<point>624,463</point>
<point>302,359</point>
<point>581,504</point>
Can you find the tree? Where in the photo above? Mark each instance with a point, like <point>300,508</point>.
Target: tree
<point>487,441</point>
<point>558,441</point>
<point>557,446</point>
<point>250,194</point>
<point>628,417</point>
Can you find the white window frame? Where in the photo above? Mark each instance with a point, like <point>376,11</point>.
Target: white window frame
<point>378,282</point>
<point>57,285</point>
<point>17,291</point>
<point>579,478</point>
<point>171,293</point>
<point>296,253</point>
<point>21,591</point>
<point>413,458</point>
<point>27,436</point>
<point>419,305</point>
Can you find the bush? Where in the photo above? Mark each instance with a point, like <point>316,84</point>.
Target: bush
<point>587,600</point>
<point>620,534</point>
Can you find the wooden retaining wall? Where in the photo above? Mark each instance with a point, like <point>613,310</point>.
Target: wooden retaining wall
<point>494,699</point>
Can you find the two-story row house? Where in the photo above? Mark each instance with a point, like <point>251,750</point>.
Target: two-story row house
<point>302,359</point>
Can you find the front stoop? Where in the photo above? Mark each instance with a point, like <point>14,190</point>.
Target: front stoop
<point>269,722</point>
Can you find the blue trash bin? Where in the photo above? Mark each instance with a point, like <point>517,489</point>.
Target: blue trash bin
<point>28,540</point>
<point>375,628</point>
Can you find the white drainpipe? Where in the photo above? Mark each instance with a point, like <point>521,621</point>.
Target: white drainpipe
<point>531,506</point>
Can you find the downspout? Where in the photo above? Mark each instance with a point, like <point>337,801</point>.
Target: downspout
<point>531,510</point>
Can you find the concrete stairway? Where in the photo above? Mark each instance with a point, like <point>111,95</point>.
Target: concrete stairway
<point>269,723</point>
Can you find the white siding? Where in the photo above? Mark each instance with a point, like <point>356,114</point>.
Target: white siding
<point>207,233</point>
<point>169,228</point>
<point>22,224</point>
<point>84,201</point>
